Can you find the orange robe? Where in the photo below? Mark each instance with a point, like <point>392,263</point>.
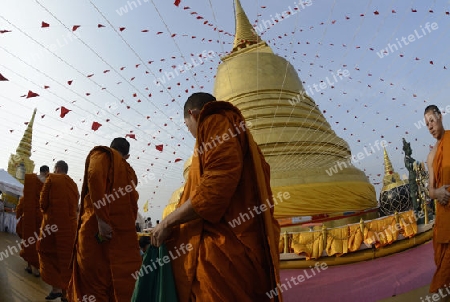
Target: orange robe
<point>59,203</point>
<point>441,232</point>
<point>19,214</point>
<point>31,218</point>
<point>104,270</point>
<point>228,177</point>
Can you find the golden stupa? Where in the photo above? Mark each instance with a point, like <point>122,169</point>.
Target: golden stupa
<point>297,141</point>
<point>302,149</point>
<point>391,178</point>
<point>176,195</point>
<point>394,196</point>
<point>20,163</point>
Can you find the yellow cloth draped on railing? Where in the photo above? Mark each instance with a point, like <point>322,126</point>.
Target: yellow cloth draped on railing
<point>380,232</point>
<point>309,243</point>
<point>337,241</point>
<point>347,239</point>
<point>281,244</point>
<point>356,237</point>
<point>408,224</point>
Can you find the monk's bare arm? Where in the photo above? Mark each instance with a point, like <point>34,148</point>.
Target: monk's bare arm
<point>183,214</point>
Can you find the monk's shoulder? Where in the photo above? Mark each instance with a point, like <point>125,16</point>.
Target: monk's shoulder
<point>100,151</point>
<point>55,178</point>
<point>432,152</point>
<point>100,157</point>
<point>69,180</point>
<point>430,157</point>
<point>225,119</point>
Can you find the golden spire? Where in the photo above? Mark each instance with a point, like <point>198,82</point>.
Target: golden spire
<point>296,139</point>
<point>391,178</point>
<point>388,170</point>
<point>24,148</point>
<point>245,34</point>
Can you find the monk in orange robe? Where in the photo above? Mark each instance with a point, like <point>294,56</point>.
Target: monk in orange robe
<point>19,225</point>
<point>59,203</point>
<point>30,221</point>
<point>439,182</point>
<point>223,238</point>
<point>107,248</point>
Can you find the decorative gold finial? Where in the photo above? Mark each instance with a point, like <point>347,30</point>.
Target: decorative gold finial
<point>391,178</point>
<point>388,170</point>
<point>245,34</point>
<point>24,148</point>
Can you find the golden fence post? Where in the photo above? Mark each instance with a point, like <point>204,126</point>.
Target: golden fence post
<point>425,211</point>
<point>361,226</point>
<point>324,234</point>
<point>286,243</point>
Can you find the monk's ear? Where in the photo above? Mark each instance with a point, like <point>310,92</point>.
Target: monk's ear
<point>195,113</point>
<point>127,156</point>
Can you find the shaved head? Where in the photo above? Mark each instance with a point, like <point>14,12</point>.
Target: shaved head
<point>197,101</point>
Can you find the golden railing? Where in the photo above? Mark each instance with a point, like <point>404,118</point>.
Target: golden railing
<point>338,241</point>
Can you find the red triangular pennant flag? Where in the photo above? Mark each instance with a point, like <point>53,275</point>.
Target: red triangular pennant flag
<point>31,94</point>
<point>131,135</point>
<point>159,147</point>
<point>177,2</point>
<point>178,159</point>
<point>75,27</point>
<point>2,78</point>
<point>95,126</point>
<point>44,24</point>
<point>64,111</point>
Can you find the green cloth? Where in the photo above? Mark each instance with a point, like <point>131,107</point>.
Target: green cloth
<point>155,282</point>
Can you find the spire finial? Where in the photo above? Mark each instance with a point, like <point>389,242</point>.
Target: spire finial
<point>24,147</point>
<point>388,170</point>
<point>245,34</point>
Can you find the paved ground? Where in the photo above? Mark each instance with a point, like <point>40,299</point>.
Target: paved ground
<point>16,285</point>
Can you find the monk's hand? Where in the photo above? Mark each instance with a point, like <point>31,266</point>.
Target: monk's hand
<point>443,196</point>
<point>159,234</point>
<point>104,229</point>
